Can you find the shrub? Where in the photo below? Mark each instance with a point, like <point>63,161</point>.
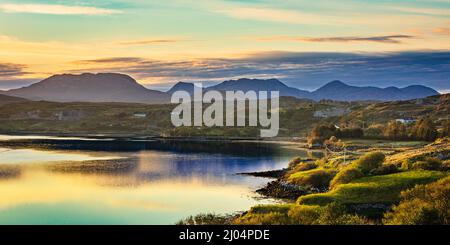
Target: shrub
<point>336,214</point>
<point>369,161</point>
<point>272,218</point>
<point>305,166</point>
<point>446,165</point>
<point>423,204</point>
<point>407,164</point>
<point>414,212</point>
<point>429,164</point>
<point>385,169</point>
<point>346,176</point>
<point>304,215</point>
<point>316,178</point>
<point>266,215</point>
<point>315,199</point>
<point>293,162</point>
<point>207,219</point>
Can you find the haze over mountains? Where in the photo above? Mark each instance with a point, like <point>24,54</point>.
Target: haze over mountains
<point>335,90</point>
<point>113,87</point>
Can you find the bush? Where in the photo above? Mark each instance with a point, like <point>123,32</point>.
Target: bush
<point>316,178</point>
<point>414,212</point>
<point>346,176</point>
<point>429,164</point>
<point>207,219</point>
<point>336,214</point>
<point>305,166</point>
<point>293,162</point>
<point>422,205</point>
<point>407,164</point>
<point>369,161</point>
<point>385,169</point>
<point>304,215</point>
<point>272,218</point>
<point>446,165</point>
<point>321,199</point>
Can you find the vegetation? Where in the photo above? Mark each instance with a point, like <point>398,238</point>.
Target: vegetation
<point>316,178</point>
<point>372,189</point>
<point>422,205</point>
<point>369,162</point>
<point>346,176</point>
<point>332,214</point>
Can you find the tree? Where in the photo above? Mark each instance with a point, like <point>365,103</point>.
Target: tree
<point>445,132</point>
<point>320,133</point>
<point>424,129</point>
<point>395,131</point>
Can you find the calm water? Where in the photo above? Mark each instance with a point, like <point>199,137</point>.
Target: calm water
<point>48,180</point>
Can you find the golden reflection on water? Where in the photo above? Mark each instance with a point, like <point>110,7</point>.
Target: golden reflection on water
<point>150,186</point>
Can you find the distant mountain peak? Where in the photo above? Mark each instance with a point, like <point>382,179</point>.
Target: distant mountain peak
<point>335,83</point>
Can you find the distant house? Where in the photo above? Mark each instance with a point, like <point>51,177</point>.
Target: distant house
<point>140,115</point>
<point>407,120</point>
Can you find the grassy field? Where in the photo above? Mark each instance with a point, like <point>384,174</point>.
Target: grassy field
<point>383,189</point>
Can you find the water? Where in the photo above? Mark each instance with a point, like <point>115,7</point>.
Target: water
<point>48,180</point>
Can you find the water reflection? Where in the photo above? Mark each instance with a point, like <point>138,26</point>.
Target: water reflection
<point>156,182</point>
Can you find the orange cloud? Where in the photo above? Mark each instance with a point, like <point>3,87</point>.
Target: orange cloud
<point>442,31</point>
<point>149,42</point>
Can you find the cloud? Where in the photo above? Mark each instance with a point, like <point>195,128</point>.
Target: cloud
<point>380,39</point>
<point>8,70</point>
<point>423,11</point>
<point>301,70</point>
<point>442,31</point>
<point>110,60</point>
<point>149,42</point>
<point>55,9</point>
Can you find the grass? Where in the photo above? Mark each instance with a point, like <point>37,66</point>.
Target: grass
<point>375,189</point>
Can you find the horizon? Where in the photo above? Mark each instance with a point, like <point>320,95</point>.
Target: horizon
<point>302,43</point>
<point>216,83</point>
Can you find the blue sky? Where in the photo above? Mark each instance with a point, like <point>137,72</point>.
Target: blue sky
<point>162,42</point>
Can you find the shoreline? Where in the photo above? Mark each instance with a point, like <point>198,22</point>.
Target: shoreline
<point>142,136</point>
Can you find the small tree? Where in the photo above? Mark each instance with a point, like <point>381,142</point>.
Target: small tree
<point>395,131</point>
<point>424,129</point>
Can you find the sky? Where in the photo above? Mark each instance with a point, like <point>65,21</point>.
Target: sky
<point>160,42</point>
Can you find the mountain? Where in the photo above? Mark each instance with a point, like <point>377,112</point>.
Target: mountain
<point>182,86</point>
<point>245,84</point>
<point>114,87</point>
<point>337,90</point>
<point>88,87</point>
<point>4,99</point>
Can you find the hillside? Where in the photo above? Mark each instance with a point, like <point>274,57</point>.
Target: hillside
<point>102,87</point>
<point>297,117</point>
<point>435,107</point>
<point>4,99</point>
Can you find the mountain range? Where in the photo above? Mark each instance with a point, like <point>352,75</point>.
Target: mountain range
<point>114,87</point>
<point>335,90</point>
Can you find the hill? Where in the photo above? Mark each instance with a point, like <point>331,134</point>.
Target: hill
<point>4,99</point>
<point>88,87</point>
